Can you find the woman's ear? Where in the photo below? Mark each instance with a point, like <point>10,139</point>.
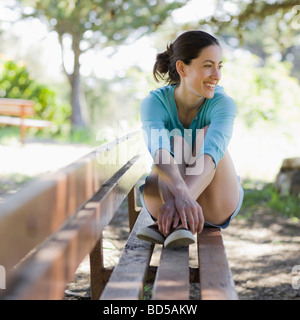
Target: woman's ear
<point>180,67</point>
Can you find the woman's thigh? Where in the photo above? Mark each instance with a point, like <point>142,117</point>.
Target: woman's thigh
<point>220,199</point>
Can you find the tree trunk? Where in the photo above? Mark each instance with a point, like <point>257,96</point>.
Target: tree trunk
<point>79,109</point>
<point>79,116</point>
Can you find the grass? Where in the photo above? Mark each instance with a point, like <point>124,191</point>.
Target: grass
<point>259,194</point>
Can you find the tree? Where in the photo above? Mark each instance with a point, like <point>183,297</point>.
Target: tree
<point>262,27</point>
<point>241,14</point>
<point>96,23</point>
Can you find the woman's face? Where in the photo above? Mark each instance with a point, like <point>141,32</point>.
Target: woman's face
<point>202,75</point>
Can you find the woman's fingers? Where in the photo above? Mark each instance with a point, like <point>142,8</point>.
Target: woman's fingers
<point>192,218</point>
<point>201,220</point>
<point>183,218</point>
<point>168,221</point>
<point>166,216</point>
<point>176,221</point>
<point>160,218</point>
<point>189,213</point>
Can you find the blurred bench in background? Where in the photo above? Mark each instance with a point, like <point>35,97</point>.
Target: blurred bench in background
<point>14,112</point>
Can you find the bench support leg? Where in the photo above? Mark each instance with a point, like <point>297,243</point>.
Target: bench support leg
<point>99,274</point>
<point>133,209</point>
<point>22,131</point>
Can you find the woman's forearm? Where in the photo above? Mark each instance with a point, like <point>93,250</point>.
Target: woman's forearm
<point>169,172</point>
<point>194,179</point>
<point>198,182</point>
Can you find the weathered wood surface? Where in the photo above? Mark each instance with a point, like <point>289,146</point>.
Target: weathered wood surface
<point>216,282</point>
<point>40,208</point>
<point>127,279</point>
<point>45,274</point>
<point>173,275</point>
<point>46,208</point>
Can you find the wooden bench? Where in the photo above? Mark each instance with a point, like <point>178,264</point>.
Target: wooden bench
<point>15,112</point>
<point>49,226</point>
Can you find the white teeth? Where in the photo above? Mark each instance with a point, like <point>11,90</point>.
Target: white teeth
<point>210,85</point>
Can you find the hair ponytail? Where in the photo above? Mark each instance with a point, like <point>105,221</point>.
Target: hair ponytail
<point>162,64</point>
<point>185,48</point>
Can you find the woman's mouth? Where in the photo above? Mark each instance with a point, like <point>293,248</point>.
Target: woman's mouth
<point>210,85</point>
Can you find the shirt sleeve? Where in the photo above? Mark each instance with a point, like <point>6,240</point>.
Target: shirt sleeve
<point>154,118</point>
<point>219,133</point>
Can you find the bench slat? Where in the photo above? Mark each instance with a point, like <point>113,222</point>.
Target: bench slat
<point>172,277</point>
<point>14,121</point>
<point>216,282</point>
<point>41,207</point>
<point>45,274</point>
<point>17,107</point>
<point>16,102</point>
<point>127,279</point>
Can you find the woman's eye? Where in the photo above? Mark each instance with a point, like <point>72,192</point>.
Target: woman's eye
<point>207,66</point>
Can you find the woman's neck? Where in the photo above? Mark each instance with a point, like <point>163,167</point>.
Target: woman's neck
<point>186,102</point>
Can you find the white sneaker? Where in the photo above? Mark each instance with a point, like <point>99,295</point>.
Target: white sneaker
<point>179,238</point>
<point>151,234</point>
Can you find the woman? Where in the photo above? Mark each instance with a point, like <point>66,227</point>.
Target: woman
<point>187,126</point>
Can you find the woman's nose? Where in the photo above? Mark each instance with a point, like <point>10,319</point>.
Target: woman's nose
<point>216,73</point>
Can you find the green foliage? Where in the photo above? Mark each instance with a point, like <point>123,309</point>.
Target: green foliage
<point>16,83</point>
<point>259,195</point>
<point>262,92</point>
<point>109,20</point>
<point>241,16</point>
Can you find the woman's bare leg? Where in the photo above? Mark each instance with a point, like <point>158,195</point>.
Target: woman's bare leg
<point>156,192</point>
<point>218,200</point>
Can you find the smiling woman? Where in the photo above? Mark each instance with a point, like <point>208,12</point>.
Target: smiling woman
<point>187,127</point>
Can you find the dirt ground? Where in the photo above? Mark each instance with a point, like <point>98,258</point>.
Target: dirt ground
<point>261,250</point>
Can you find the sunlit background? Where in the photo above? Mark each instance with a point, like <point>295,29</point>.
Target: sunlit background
<point>261,72</point>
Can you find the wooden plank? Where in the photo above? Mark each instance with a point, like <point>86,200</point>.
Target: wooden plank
<point>127,279</point>
<point>16,107</point>
<point>14,121</point>
<point>41,207</point>
<point>45,273</point>
<point>32,214</point>
<point>216,282</point>
<point>16,102</point>
<point>173,277</point>
<point>98,276</point>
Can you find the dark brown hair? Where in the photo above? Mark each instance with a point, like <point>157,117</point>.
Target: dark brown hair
<point>185,48</point>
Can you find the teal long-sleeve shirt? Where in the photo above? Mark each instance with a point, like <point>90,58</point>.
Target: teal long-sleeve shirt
<point>160,121</point>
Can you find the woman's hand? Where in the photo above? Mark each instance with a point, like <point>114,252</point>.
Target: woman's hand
<point>167,216</point>
<point>183,208</point>
<point>190,212</point>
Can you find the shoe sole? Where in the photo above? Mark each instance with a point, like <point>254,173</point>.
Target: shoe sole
<point>179,238</point>
<point>150,235</point>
